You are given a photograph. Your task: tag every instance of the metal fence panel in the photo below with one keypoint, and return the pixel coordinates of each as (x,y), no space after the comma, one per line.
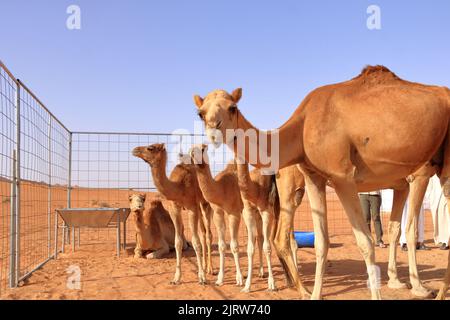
(44,163)
(8,92)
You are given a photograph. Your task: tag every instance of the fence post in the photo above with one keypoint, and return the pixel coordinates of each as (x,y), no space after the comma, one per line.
(12,233)
(17,182)
(49,196)
(69,192)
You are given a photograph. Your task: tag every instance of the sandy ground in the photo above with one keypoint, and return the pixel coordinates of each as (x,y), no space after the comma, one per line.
(104,276)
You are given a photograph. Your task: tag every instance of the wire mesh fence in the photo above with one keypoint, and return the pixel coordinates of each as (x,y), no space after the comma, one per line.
(8,96)
(105,173)
(34,179)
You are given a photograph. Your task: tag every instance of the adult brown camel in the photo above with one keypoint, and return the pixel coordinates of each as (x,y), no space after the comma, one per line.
(154,228)
(182,191)
(362,154)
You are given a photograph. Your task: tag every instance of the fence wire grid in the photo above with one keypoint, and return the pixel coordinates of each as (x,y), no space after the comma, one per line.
(44,166)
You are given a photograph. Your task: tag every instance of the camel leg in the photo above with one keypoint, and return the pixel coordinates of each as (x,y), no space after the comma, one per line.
(259,240)
(285,244)
(158,254)
(348,194)
(315,186)
(444,176)
(267,219)
(193,223)
(445,182)
(395,220)
(206,215)
(219,222)
(417,193)
(294,248)
(250,223)
(234,221)
(202,238)
(137,249)
(175,215)
(445,282)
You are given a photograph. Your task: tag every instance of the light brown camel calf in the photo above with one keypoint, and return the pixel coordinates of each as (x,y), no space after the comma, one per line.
(222,192)
(154,228)
(338,120)
(260,191)
(182,191)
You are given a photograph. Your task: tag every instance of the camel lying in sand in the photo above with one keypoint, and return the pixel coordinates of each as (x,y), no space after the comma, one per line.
(154,228)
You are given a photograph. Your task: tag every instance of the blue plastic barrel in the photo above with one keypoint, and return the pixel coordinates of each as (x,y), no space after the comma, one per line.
(304,239)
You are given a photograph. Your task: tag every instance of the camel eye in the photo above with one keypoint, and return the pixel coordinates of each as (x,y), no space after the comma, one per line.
(200,115)
(150,148)
(232,108)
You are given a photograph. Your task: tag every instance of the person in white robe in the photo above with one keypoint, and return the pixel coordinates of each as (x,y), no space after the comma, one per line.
(439,213)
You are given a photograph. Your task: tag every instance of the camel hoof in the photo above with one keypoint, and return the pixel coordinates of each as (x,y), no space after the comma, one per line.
(397,284)
(175,282)
(440,296)
(272,289)
(423,292)
(202,282)
(245,290)
(271,286)
(239,281)
(261,275)
(308,296)
(219,283)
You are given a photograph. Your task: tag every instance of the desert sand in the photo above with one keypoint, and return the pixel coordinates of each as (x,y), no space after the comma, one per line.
(105,276)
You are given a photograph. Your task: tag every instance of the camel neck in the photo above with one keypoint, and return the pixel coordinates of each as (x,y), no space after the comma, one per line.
(273,149)
(211,189)
(165,186)
(249,189)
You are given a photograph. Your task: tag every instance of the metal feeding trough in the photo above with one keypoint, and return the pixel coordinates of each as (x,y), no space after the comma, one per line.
(76,218)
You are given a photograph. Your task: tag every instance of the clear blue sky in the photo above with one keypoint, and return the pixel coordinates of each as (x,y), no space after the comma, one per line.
(136,63)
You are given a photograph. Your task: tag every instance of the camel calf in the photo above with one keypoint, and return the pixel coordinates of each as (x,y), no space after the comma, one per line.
(154,228)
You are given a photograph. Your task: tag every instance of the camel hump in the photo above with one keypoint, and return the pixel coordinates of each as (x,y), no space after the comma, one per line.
(379,73)
(156,204)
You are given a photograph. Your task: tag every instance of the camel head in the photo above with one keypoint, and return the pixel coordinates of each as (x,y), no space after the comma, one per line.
(218,111)
(154,154)
(137,202)
(199,155)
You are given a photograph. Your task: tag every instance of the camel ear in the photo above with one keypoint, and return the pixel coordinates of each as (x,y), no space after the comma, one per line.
(198,101)
(236,95)
(130,197)
(161,146)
